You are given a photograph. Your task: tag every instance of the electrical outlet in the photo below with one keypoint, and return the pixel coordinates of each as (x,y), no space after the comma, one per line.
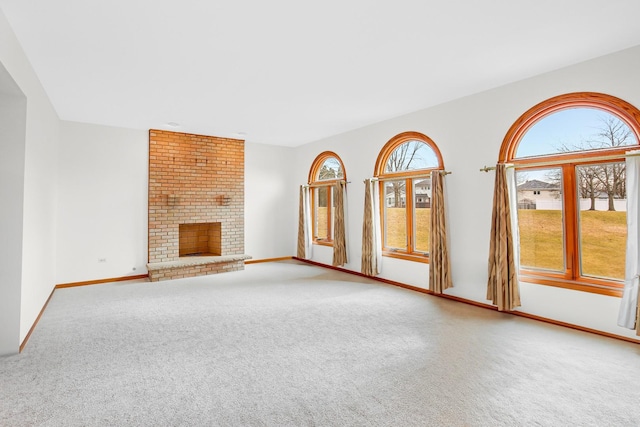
(102,260)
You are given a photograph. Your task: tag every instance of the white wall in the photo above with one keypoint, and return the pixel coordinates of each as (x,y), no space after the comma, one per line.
(269,201)
(469,133)
(40,199)
(13,118)
(39,185)
(102,202)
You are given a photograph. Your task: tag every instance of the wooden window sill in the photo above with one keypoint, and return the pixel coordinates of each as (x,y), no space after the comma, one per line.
(406,256)
(600,287)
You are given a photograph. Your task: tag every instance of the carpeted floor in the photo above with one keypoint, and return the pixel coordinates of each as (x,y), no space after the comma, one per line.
(288,344)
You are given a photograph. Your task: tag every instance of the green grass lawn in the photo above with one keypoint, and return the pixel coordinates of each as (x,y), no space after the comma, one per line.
(603,237)
(541,241)
(397,229)
(603,241)
(321,225)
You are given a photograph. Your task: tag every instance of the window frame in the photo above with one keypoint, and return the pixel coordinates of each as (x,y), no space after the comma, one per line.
(409,176)
(572,277)
(315,183)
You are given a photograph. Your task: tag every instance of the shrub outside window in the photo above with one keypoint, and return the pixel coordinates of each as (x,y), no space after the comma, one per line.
(571,194)
(326,169)
(403,170)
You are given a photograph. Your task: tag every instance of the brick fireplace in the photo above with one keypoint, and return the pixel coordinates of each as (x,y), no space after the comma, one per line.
(196,205)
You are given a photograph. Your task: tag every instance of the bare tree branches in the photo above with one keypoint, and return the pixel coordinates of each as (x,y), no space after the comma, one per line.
(402,159)
(608,178)
(403,156)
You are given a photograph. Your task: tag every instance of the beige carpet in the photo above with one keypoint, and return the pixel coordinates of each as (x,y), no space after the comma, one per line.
(287,344)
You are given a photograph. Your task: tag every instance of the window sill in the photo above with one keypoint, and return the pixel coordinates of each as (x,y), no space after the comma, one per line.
(600,287)
(408,257)
(323,242)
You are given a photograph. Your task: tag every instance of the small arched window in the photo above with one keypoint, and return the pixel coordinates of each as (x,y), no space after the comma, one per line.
(569,153)
(326,169)
(403,169)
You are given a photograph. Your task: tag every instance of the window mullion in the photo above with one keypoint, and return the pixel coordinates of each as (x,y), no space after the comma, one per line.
(314,212)
(329,211)
(409,209)
(572,250)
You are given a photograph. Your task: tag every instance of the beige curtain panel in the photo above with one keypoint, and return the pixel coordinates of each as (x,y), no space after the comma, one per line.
(368,261)
(301,227)
(628,317)
(439,267)
(339,234)
(502,287)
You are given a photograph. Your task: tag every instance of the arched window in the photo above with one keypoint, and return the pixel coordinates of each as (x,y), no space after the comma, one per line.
(326,169)
(569,153)
(403,169)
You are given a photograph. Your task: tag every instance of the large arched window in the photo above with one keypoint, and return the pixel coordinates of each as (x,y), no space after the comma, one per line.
(326,169)
(403,169)
(569,153)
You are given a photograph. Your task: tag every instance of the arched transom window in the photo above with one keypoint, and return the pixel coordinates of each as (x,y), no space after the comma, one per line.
(569,153)
(326,169)
(403,169)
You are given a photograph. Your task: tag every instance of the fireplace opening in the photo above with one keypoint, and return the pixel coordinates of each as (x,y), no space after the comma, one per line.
(202,239)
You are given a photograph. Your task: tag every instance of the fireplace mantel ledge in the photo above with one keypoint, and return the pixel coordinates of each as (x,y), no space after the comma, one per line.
(197,260)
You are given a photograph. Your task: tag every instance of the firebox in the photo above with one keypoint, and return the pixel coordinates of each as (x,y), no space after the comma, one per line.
(201,239)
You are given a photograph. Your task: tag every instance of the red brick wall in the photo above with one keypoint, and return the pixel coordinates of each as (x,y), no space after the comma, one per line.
(189,178)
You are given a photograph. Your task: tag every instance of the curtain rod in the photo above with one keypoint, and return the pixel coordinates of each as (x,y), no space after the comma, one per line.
(487,168)
(375,179)
(562,162)
(326,183)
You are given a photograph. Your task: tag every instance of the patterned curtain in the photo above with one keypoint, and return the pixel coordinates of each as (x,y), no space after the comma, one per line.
(439,268)
(368,264)
(304,224)
(629,309)
(339,233)
(502,287)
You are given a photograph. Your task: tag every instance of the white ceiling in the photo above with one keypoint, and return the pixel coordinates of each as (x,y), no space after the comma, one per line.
(288,72)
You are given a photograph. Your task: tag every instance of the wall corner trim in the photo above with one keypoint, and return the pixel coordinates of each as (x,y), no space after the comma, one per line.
(256,261)
(69,285)
(99,281)
(35,323)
